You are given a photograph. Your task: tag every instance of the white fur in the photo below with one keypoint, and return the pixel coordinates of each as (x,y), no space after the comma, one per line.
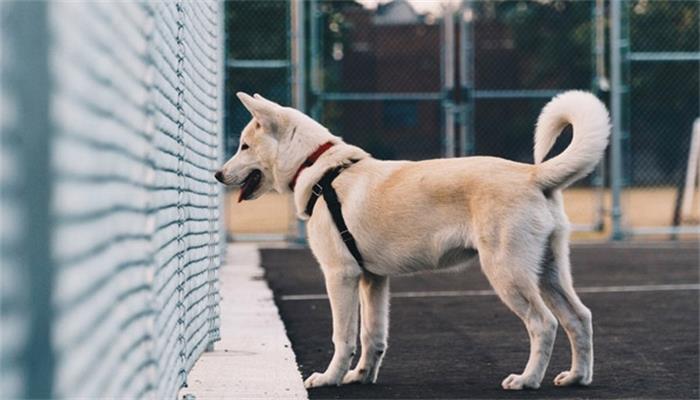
(591,124)
(416,216)
(334,157)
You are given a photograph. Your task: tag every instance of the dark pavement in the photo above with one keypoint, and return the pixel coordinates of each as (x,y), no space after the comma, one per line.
(461,346)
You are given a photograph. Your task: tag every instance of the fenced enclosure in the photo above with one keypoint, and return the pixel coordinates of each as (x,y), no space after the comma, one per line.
(658,48)
(110,233)
(399,80)
(257,60)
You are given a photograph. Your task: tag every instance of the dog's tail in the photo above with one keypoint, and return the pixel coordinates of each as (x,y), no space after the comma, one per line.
(591,127)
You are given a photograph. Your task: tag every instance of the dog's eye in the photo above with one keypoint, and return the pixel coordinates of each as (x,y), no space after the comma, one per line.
(257,125)
(244,147)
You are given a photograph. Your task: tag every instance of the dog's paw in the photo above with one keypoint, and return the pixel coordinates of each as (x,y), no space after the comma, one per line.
(519,382)
(568,378)
(357,375)
(318,379)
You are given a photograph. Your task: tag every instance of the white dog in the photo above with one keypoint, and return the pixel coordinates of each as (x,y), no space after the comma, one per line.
(405,216)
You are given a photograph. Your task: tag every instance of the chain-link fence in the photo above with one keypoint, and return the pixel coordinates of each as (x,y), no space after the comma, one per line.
(660,94)
(110,215)
(377,79)
(257,58)
(519,55)
(408,79)
(467,78)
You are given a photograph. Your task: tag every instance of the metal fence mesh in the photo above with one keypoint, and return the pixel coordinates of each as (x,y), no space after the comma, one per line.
(133,227)
(384,72)
(407,79)
(661,78)
(470,80)
(379,78)
(14,302)
(524,52)
(257,58)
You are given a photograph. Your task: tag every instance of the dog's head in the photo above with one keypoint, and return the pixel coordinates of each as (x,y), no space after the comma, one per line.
(272,146)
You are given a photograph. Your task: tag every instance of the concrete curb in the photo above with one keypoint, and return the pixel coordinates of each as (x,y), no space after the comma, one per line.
(254,359)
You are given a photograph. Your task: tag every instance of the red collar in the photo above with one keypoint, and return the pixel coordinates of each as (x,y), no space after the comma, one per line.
(310,160)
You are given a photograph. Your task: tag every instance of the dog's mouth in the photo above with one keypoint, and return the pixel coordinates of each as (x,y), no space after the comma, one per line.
(250,185)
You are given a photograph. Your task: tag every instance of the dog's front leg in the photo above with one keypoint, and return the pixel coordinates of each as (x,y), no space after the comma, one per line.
(342,288)
(374,322)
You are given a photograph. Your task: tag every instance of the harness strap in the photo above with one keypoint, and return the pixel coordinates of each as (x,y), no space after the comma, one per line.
(324,187)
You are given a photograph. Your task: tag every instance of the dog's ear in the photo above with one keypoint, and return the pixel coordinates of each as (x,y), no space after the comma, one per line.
(264,111)
(269,102)
(257,107)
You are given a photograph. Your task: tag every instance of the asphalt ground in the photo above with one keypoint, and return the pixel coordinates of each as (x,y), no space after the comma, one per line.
(451,338)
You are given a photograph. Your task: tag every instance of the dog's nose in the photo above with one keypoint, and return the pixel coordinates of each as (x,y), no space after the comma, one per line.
(219,176)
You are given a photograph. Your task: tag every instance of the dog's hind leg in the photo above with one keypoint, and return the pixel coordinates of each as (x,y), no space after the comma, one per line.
(515,281)
(374,322)
(342,288)
(558,292)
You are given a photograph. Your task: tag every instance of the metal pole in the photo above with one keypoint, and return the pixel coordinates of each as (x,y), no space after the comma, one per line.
(601,82)
(448,59)
(616,110)
(692,172)
(315,70)
(298,58)
(29,77)
(466,77)
(600,85)
(218,249)
(298,76)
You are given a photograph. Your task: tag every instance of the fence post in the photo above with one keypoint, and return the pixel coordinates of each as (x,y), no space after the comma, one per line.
(298,56)
(213,296)
(298,75)
(466,78)
(448,79)
(600,85)
(616,43)
(316,60)
(30,80)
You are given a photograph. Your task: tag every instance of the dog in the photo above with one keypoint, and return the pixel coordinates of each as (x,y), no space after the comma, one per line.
(409,216)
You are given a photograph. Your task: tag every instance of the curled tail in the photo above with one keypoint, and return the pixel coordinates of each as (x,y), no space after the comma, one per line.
(591,126)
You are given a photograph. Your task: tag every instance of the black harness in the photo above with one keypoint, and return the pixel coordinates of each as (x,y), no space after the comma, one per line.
(324,187)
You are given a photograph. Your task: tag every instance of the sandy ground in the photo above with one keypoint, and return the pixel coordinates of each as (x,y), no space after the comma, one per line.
(642,207)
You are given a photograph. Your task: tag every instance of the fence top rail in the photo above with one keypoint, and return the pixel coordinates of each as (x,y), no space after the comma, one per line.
(664,56)
(517,93)
(233,63)
(378,96)
(477,94)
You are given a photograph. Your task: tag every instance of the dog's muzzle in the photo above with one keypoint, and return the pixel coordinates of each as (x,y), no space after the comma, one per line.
(219,175)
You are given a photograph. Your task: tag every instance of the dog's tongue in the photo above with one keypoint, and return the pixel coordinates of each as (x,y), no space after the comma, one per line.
(244,189)
(249,185)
